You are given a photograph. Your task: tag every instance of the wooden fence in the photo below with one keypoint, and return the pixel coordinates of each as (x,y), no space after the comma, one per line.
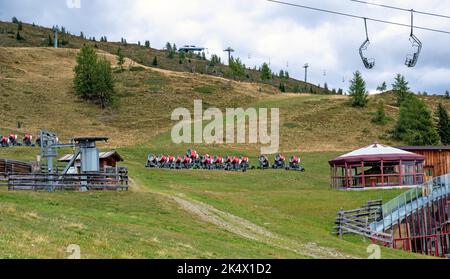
(77,182)
(12,166)
(357,222)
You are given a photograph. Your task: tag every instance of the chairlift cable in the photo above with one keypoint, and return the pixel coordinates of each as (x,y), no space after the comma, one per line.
(357,16)
(400,9)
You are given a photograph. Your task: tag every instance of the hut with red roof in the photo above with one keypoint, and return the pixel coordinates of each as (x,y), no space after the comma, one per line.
(377,166)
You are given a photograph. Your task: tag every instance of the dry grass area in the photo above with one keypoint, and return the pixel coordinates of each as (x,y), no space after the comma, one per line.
(36,89)
(37,36)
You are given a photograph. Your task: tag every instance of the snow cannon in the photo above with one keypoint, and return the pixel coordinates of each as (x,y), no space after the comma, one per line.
(280,162)
(244,164)
(263,162)
(152,161)
(294,164)
(28,140)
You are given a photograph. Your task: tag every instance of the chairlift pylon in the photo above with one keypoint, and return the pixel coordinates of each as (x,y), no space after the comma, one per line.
(411,59)
(368,63)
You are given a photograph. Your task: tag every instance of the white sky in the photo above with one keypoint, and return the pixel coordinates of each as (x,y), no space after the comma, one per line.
(261,31)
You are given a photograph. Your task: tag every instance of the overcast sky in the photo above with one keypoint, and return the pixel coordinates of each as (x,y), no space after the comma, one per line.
(259,31)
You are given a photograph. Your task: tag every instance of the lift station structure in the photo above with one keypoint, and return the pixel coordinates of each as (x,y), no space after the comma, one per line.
(90,176)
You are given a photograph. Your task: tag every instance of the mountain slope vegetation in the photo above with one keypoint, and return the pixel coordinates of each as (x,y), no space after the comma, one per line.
(187,214)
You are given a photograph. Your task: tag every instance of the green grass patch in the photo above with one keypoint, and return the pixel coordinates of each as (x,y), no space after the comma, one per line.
(204,89)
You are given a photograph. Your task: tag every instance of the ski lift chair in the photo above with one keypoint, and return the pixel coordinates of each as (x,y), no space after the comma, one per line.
(368,63)
(411,59)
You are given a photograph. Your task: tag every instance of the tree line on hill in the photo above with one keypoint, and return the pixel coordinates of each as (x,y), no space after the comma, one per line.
(416,124)
(236,69)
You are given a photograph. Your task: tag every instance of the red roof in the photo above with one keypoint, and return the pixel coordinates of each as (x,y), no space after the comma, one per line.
(376,152)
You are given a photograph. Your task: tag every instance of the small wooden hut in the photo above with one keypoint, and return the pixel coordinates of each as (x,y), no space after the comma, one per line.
(107,160)
(437,159)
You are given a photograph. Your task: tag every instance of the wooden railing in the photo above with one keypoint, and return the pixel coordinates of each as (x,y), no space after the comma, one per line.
(358,221)
(9,166)
(46,182)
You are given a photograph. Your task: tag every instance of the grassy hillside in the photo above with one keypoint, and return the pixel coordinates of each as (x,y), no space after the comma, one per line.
(41,78)
(37,36)
(168,214)
(191,214)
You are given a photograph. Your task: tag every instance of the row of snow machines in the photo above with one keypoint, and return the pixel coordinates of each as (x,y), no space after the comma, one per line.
(192,160)
(13,140)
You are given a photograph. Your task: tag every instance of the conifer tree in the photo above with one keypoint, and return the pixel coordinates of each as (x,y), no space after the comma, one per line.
(358,90)
(120,58)
(415,123)
(400,88)
(266,73)
(443,124)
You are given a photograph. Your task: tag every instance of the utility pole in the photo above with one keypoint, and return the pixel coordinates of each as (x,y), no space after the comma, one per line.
(306,72)
(229,50)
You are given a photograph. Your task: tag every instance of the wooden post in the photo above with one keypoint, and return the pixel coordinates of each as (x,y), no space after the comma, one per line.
(363,175)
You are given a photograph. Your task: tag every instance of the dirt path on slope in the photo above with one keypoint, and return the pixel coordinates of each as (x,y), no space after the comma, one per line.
(249,230)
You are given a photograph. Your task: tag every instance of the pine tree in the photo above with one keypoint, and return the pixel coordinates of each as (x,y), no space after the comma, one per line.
(18,36)
(93,79)
(380,115)
(340,91)
(325,86)
(15,20)
(147,44)
(282,87)
(155,61)
(415,124)
(447,94)
(103,83)
(19,26)
(286,74)
(120,58)
(266,73)
(237,69)
(400,88)
(281,75)
(82,35)
(215,60)
(85,71)
(168,47)
(50,40)
(358,90)
(382,87)
(443,124)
